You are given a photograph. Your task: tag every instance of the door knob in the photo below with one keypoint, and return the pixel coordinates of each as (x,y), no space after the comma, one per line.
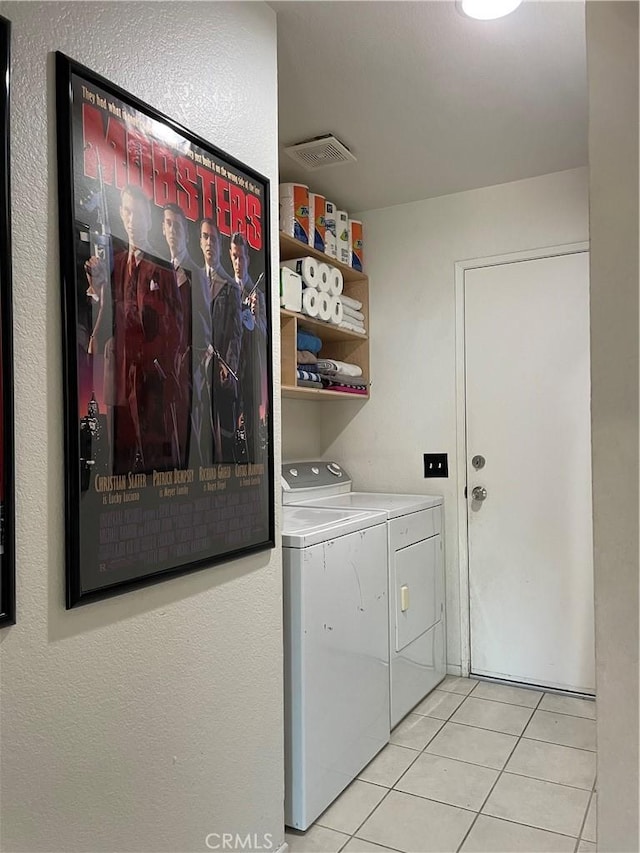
(479,493)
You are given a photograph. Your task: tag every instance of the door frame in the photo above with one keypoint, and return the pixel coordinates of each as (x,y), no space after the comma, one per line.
(460,268)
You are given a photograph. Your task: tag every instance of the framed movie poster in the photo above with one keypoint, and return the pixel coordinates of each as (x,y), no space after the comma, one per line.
(7,551)
(167,343)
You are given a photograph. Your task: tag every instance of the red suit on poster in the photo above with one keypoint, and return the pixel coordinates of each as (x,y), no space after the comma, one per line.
(140,326)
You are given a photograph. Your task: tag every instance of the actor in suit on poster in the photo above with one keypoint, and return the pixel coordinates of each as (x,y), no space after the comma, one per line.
(226,337)
(253,368)
(194,372)
(139,328)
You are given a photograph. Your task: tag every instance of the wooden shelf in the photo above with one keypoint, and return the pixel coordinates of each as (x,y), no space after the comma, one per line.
(290,248)
(339,344)
(326,331)
(303,392)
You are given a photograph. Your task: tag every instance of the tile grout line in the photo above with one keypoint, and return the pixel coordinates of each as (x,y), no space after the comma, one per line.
(548,781)
(391,788)
(462,809)
(477,813)
(529,826)
(463,761)
(544,693)
(418,754)
(475,820)
(566,745)
(577,844)
(564,714)
(362,823)
(584,819)
(515,705)
(502,732)
(377,785)
(499,776)
(511,704)
(509,734)
(473,811)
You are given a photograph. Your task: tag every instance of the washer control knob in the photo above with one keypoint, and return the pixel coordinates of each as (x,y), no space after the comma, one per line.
(334,469)
(315,470)
(293,472)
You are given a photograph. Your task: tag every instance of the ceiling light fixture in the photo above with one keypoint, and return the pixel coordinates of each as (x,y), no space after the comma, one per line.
(488,10)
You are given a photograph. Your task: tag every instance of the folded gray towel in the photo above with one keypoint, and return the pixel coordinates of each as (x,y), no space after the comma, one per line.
(306,357)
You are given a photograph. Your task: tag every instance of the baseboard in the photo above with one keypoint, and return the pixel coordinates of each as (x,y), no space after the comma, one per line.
(454,669)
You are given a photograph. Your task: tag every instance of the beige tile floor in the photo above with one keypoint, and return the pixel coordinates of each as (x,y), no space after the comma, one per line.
(476,768)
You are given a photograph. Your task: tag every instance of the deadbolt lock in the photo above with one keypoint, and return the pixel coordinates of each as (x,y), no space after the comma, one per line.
(478,462)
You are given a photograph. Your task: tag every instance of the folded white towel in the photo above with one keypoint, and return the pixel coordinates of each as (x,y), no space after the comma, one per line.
(351,303)
(352,313)
(353,328)
(353,322)
(344,367)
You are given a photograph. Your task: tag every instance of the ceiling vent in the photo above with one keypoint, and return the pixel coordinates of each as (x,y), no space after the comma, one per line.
(319,152)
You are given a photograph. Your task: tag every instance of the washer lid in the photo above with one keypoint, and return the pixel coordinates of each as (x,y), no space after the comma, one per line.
(393,505)
(303,526)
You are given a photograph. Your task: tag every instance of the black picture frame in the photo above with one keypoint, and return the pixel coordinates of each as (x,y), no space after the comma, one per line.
(167,361)
(7,489)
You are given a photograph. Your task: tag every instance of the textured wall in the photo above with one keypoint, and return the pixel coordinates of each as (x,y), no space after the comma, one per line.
(411,250)
(612,50)
(302,426)
(149,720)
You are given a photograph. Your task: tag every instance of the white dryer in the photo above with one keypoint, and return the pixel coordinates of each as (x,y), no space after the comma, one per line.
(336,652)
(414,525)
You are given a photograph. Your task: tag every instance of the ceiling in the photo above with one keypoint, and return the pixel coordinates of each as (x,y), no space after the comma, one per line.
(429,101)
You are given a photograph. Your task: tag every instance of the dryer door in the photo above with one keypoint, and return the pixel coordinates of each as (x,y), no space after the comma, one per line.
(416,594)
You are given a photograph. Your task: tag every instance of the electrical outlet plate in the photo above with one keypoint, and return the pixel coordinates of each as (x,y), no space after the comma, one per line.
(436,465)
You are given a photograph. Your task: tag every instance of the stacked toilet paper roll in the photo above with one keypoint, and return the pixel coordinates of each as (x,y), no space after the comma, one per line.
(310,305)
(322,306)
(317,304)
(317,286)
(324,275)
(307,268)
(336,282)
(336,309)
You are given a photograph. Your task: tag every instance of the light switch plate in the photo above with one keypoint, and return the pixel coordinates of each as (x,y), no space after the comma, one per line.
(436,465)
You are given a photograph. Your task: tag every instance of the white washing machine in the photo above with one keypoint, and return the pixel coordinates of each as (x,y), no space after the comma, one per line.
(336,652)
(414,525)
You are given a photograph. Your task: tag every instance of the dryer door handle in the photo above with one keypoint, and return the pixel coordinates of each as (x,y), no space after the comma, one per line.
(404,598)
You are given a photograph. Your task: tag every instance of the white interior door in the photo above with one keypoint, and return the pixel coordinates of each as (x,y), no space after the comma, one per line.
(528,415)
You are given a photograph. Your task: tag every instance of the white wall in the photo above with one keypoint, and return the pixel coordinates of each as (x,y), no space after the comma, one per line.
(149,720)
(410,253)
(612,53)
(302,430)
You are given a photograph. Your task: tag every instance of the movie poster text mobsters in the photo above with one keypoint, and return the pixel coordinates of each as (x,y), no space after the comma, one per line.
(166,302)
